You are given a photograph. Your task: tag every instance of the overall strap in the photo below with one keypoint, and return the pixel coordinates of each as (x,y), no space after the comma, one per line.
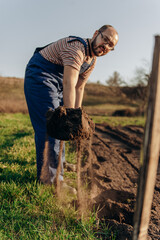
(40,48)
(85,66)
(80,40)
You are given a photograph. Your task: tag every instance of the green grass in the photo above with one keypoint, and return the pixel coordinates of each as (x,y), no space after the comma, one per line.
(29,210)
(119,121)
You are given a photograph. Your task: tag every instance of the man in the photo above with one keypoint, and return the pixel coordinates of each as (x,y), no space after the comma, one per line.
(56,75)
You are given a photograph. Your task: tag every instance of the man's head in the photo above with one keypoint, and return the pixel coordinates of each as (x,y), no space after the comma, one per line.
(104,40)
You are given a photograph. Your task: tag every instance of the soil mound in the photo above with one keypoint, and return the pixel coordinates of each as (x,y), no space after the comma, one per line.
(129,113)
(124,112)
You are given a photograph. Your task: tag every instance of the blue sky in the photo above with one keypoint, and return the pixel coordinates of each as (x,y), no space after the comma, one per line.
(26,24)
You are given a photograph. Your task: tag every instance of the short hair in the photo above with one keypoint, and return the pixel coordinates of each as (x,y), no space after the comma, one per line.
(104,27)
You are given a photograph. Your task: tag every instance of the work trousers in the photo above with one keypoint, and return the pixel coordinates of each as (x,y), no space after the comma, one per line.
(43,90)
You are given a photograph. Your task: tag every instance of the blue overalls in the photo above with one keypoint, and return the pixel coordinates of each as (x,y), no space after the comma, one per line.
(43,87)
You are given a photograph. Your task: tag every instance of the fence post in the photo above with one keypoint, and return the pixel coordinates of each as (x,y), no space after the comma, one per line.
(149,152)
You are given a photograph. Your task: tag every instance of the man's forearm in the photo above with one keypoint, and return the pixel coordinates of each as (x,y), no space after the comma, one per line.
(69,94)
(70,78)
(79,97)
(79,92)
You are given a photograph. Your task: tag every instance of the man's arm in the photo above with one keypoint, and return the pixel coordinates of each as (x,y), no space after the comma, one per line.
(79,92)
(70,79)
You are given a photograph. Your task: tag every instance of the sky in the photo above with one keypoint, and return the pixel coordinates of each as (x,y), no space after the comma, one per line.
(27,24)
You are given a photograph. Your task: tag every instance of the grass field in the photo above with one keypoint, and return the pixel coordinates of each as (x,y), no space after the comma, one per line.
(29,210)
(119,121)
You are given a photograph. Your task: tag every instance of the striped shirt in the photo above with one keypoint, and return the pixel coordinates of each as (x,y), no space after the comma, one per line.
(72,54)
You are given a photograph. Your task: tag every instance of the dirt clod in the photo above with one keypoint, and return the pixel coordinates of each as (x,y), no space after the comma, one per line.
(69,124)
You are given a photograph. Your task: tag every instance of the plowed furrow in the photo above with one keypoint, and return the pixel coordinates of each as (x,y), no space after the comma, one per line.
(116,157)
(121,136)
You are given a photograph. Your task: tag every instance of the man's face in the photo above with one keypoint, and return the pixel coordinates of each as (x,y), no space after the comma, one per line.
(104,42)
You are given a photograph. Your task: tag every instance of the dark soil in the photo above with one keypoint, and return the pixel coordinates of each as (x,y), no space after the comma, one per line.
(116,154)
(69,124)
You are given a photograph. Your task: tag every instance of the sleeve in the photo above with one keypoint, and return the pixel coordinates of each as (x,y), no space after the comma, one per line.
(86,74)
(73,55)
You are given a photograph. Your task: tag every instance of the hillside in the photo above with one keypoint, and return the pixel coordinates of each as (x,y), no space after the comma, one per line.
(12,98)
(98,99)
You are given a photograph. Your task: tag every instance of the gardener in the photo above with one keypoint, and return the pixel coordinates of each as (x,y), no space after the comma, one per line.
(56,75)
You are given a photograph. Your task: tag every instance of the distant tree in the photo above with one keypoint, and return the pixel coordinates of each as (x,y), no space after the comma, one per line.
(142,75)
(140,87)
(98,82)
(115,80)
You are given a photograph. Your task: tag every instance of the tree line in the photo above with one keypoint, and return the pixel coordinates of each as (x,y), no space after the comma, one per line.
(140,79)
